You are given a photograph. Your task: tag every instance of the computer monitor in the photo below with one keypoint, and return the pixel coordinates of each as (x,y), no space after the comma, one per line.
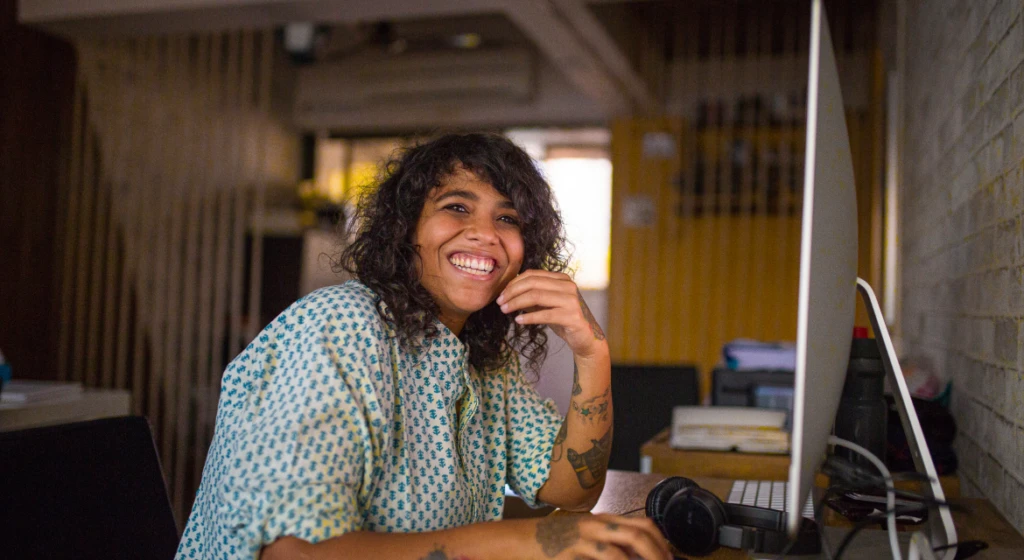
(828,269)
(827,297)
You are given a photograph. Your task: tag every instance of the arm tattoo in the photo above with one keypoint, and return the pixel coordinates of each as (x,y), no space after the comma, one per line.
(556,449)
(557,533)
(591,465)
(594,327)
(576,388)
(593,409)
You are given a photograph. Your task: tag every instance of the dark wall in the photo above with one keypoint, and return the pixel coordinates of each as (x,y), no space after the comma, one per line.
(36,91)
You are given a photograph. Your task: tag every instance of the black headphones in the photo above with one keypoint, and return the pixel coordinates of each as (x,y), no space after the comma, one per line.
(696,522)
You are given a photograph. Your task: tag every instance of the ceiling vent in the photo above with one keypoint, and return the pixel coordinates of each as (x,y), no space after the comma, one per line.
(377,80)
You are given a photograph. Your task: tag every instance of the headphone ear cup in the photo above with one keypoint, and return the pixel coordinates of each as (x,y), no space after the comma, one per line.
(692,519)
(659,496)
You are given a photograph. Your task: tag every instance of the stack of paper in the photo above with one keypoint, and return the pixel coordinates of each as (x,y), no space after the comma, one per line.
(727,428)
(25,391)
(750,354)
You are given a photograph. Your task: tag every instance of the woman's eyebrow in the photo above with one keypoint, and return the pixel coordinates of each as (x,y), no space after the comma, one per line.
(454,193)
(470,195)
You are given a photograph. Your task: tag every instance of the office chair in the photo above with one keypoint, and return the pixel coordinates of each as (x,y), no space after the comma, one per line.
(84,490)
(643,397)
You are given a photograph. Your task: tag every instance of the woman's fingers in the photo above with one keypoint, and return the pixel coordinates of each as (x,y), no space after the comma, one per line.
(554,317)
(536,279)
(638,535)
(600,550)
(538,298)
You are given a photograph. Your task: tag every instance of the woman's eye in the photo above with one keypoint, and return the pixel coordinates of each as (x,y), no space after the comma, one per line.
(456,208)
(510,220)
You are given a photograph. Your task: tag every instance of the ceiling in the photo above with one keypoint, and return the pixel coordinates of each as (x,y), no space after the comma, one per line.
(566,33)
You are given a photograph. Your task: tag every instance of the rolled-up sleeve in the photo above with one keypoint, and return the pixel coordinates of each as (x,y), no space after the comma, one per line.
(532,423)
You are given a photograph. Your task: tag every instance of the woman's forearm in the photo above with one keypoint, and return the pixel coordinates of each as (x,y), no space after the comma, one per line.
(553,536)
(579,457)
(480,541)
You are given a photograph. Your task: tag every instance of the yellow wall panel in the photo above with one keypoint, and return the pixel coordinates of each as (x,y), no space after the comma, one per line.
(683,283)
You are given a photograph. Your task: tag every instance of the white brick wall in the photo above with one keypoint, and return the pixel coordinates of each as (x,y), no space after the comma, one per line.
(963,242)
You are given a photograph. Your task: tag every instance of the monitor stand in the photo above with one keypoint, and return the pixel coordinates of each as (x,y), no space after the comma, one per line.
(939,529)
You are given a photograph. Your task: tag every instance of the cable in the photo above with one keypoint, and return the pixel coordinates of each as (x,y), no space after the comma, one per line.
(890,490)
(818,518)
(858,527)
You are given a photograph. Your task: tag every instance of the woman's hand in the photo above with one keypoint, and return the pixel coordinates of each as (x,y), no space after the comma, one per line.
(552,299)
(600,537)
(559,537)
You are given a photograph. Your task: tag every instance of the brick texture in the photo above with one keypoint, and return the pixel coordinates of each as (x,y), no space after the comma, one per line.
(962,242)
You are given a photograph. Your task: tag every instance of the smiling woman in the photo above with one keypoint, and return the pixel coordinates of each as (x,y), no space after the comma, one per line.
(384,417)
(469,246)
(384,255)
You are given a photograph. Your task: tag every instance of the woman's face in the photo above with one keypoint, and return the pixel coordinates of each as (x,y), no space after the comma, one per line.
(469,246)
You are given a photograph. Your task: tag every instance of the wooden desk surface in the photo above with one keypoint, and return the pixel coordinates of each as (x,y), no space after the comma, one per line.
(731,465)
(626,493)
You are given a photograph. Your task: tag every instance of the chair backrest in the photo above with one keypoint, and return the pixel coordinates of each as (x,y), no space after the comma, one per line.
(84,490)
(643,397)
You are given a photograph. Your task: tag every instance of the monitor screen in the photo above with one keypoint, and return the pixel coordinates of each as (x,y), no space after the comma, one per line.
(828,270)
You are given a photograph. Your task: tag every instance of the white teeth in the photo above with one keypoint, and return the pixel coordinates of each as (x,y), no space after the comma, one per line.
(473,265)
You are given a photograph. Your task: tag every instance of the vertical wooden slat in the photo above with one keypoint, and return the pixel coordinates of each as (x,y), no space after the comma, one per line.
(669,337)
(738,304)
(128,216)
(99,226)
(223,198)
(213,164)
(85,226)
(710,147)
(787,155)
(262,112)
(71,230)
(724,273)
(764,281)
(236,201)
(686,330)
(120,142)
(188,389)
(157,181)
(618,288)
(144,224)
(175,185)
(632,324)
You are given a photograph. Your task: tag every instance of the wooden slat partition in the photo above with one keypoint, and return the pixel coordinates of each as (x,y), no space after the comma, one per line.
(165,169)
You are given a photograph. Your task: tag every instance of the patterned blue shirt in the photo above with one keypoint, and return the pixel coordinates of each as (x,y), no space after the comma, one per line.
(326,424)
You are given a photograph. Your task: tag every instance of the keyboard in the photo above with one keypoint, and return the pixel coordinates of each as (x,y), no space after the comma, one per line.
(770,494)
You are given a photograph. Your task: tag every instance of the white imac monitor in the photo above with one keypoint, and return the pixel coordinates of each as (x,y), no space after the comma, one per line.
(828,292)
(828,269)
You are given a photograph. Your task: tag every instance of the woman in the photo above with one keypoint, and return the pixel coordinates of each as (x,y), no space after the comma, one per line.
(382,418)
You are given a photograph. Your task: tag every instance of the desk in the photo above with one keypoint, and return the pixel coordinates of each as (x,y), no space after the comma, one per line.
(90,405)
(626,491)
(660,457)
(657,456)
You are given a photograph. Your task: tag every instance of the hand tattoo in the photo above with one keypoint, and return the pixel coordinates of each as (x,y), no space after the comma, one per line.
(594,327)
(576,389)
(556,449)
(593,409)
(557,533)
(591,465)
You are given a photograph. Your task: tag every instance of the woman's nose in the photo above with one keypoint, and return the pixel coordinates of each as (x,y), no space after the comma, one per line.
(482,229)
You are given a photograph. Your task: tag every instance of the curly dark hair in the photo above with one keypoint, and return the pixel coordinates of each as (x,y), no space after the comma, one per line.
(383,256)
